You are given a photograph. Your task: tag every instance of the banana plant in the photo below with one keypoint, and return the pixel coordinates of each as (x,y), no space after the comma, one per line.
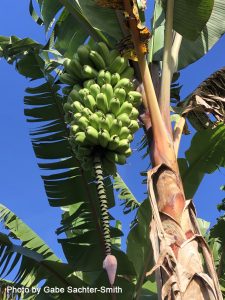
(180,34)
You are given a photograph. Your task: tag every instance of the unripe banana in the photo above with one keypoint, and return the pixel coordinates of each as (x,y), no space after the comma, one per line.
(109,119)
(74,129)
(104,51)
(124,132)
(86,112)
(66,64)
(76,117)
(114,106)
(128,152)
(83,123)
(127,73)
(126,108)
(121,94)
(124,118)
(134,114)
(110,155)
(103,124)
(83,54)
(123,146)
(67,79)
(115,79)
(135,98)
(67,107)
(103,138)
(75,68)
(103,77)
(102,103)
(83,93)
(125,83)
(120,159)
(74,96)
(108,91)
(118,65)
(76,106)
(95,90)
(113,55)
(88,83)
(130,137)
(92,135)
(100,114)
(88,72)
(133,126)
(97,60)
(94,121)
(114,142)
(89,102)
(77,87)
(115,127)
(80,137)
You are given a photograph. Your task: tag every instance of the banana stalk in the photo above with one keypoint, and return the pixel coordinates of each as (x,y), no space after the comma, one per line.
(110,262)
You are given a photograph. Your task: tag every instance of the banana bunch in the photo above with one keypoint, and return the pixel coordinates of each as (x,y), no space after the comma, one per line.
(101,107)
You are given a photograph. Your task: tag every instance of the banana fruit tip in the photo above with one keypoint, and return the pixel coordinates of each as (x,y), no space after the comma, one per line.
(110,265)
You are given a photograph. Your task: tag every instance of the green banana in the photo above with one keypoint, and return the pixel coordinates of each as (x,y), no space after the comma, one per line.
(94,121)
(67,107)
(97,60)
(67,79)
(89,102)
(128,152)
(86,112)
(82,122)
(124,118)
(103,77)
(110,155)
(127,73)
(88,72)
(115,79)
(77,107)
(92,135)
(102,103)
(124,132)
(114,106)
(103,138)
(114,142)
(77,87)
(126,107)
(125,83)
(134,114)
(115,128)
(103,124)
(108,91)
(83,93)
(88,83)
(74,96)
(109,119)
(95,90)
(133,126)
(74,129)
(113,55)
(137,98)
(123,146)
(121,94)
(77,116)
(130,137)
(80,137)
(83,54)
(75,68)
(118,65)
(100,114)
(104,51)
(120,159)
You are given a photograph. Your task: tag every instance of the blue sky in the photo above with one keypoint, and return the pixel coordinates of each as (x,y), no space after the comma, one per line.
(21,185)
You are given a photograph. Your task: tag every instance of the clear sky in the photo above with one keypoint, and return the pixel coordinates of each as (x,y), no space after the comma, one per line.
(21,187)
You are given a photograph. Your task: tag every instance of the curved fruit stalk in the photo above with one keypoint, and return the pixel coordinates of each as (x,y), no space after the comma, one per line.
(110,262)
